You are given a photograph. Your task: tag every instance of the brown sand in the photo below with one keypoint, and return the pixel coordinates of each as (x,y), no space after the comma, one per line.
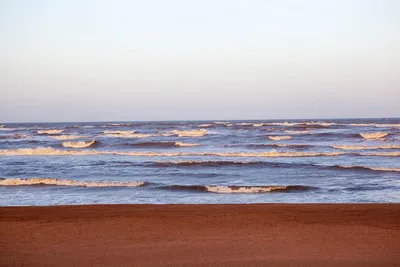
(201,235)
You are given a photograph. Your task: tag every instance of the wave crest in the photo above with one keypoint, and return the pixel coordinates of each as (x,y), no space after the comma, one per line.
(79,144)
(41,151)
(186,144)
(55,131)
(59,182)
(237,189)
(68,137)
(377,135)
(384,169)
(353,147)
(190,133)
(132,135)
(281,137)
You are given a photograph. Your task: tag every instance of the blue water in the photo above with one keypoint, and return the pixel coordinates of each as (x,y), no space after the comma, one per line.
(298,161)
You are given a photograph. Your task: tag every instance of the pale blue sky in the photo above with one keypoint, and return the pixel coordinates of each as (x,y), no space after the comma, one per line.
(170,60)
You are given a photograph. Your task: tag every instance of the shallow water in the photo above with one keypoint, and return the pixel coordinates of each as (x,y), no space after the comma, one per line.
(330,161)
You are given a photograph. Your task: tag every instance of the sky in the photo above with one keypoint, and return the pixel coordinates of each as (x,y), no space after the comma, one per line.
(83,60)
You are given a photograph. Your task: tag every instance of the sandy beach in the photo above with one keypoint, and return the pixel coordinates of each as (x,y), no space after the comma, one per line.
(201,235)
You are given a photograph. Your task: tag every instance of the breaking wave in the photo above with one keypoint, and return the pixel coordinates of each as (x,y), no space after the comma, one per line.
(68,137)
(55,152)
(50,131)
(186,144)
(190,133)
(132,135)
(80,144)
(208,163)
(297,132)
(377,135)
(383,169)
(281,137)
(223,123)
(59,182)
(205,125)
(119,132)
(161,144)
(374,125)
(353,147)
(242,189)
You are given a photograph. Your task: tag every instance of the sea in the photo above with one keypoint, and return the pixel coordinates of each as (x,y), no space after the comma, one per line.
(193,162)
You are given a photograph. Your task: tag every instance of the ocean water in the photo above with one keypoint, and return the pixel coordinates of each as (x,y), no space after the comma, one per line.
(297,161)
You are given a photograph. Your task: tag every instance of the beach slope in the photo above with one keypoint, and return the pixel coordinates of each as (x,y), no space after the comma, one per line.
(201,235)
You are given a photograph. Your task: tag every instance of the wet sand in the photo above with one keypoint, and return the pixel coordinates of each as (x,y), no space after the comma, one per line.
(201,235)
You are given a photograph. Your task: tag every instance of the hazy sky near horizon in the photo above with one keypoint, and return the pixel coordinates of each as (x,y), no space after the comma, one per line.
(83,60)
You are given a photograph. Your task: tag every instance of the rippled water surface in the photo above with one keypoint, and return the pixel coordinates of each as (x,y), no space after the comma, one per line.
(328,161)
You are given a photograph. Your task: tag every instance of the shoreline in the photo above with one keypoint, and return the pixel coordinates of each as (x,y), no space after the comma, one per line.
(201,235)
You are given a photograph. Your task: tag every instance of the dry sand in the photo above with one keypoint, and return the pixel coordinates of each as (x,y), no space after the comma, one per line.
(201,235)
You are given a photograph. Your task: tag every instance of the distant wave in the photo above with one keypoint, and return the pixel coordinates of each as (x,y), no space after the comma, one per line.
(223,123)
(55,152)
(383,169)
(276,145)
(119,132)
(281,137)
(374,125)
(133,135)
(55,131)
(377,135)
(238,189)
(258,124)
(186,144)
(205,125)
(297,132)
(190,133)
(207,163)
(354,147)
(14,136)
(59,182)
(68,137)
(80,144)
(161,144)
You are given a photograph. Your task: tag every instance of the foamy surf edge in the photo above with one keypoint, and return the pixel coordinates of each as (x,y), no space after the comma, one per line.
(61,182)
(239,189)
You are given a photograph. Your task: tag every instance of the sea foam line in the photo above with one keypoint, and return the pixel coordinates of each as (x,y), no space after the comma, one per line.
(42,151)
(61,182)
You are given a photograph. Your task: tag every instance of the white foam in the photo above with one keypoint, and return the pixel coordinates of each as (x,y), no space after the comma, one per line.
(59,182)
(258,124)
(282,137)
(68,137)
(223,123)
(79,144)
(55,131)
(42,151)
(374,125)
(186,144)
(190,133)
(377,135)
(385,169)
(205,125)
(353,147)
(243,190)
